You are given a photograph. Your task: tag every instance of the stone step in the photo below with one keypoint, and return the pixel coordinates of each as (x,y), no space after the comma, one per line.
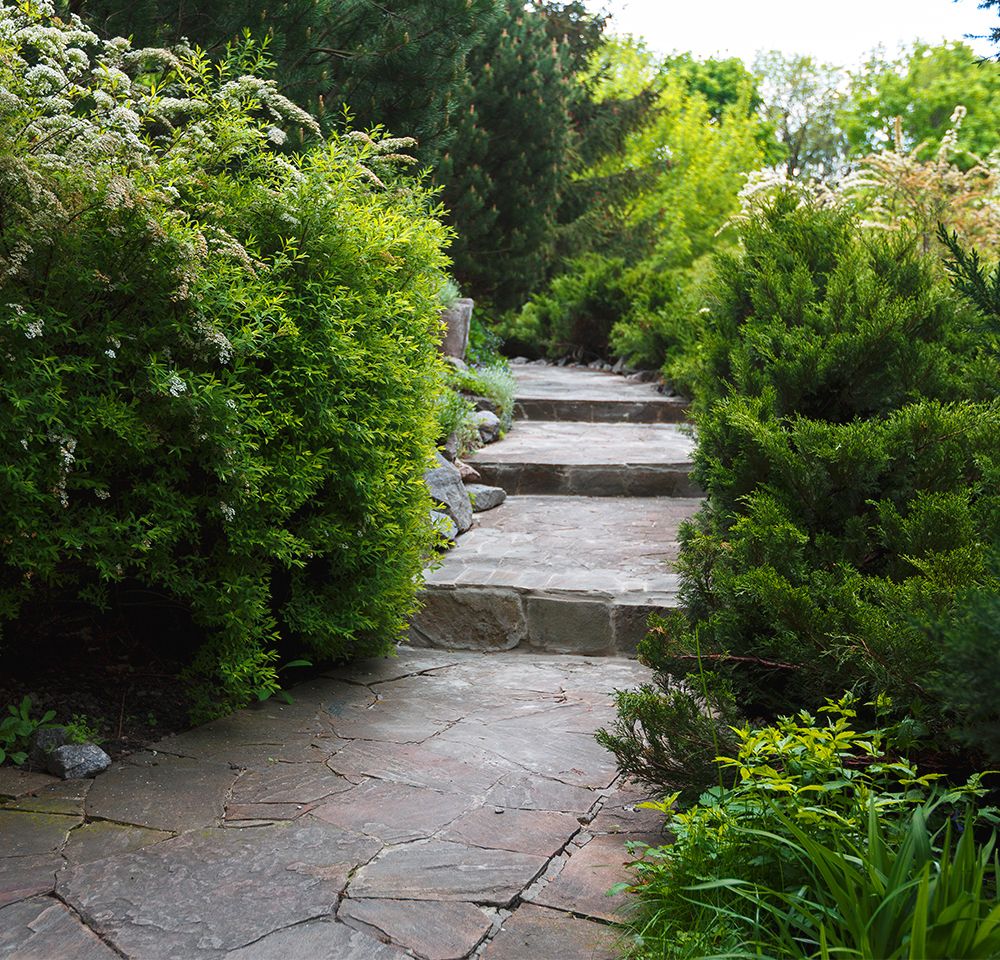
(571,393)
(559,574)
(591,459)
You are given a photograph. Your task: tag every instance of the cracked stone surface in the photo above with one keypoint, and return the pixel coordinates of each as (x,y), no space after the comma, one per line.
(212,891)
(442,870)
(433,930)
(535,932)
(313,834)
(584,880)
(44,929)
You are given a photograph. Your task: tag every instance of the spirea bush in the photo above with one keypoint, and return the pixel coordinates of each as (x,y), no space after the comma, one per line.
(219,361)
(847,423)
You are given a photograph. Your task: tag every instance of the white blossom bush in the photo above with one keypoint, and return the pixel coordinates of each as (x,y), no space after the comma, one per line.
(219,370)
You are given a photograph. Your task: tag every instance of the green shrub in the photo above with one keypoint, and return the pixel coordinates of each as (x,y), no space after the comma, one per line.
(847,441)
(16,729)
(576,312)
(221,368)
(752,867)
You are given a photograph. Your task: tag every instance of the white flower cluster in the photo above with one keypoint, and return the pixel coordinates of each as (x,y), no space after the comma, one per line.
(175,385)
(67,457)
(214,339)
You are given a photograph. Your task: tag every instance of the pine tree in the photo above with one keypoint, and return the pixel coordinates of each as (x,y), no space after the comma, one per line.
(505,174)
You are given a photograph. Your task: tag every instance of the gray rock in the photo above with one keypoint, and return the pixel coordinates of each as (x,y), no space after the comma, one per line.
(519,361)
(643,376)
(469,474)
(457,363)
(619,366)
(445,484)
(443,523)
(456,321)
(485,403)
(43,741)
(484,497)
(488,425)
(74,761)
(450,449)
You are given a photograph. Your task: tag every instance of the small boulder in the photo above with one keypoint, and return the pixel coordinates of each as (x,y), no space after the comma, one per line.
(75,761)
(43,741)
(446,487)
(450,448)
(485,403)
(485,498)
(468,473)
(643,376)
(457,362)
(488,425)
(444,525)
(519,361)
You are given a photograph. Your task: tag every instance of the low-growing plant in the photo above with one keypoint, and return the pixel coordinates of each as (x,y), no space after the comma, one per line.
(16,729)
(738,874)
(81,729)
(494,382)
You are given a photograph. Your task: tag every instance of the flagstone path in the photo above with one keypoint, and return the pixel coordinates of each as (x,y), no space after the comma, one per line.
(441,804)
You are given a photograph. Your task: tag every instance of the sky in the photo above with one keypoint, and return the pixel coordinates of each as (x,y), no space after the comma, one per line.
(839,32)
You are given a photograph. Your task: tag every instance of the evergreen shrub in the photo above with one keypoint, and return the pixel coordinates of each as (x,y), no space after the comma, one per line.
(219,361)
(847,420)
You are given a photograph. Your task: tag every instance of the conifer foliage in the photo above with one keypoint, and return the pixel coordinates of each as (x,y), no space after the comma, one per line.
(399,65)
(504,174)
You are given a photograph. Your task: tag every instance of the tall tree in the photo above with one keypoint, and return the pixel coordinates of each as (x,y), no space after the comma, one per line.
(506,169)
(923,87)
(802,99)
(399,65)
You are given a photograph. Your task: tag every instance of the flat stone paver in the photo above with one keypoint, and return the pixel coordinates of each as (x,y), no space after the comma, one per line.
(557,573)
(585,459)
(361,844)
(534,933)
(571,393)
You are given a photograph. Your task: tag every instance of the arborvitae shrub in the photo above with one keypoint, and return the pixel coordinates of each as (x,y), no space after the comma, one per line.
(851,464)
(219,368)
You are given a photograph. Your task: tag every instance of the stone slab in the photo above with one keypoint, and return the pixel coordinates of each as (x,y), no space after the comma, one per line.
(437,765)
(582,885)
(541,832)
(434,930)
(211,891)
(296,783)
(104,838)
(24,877)
(591,444)
(319,939)
(556,573)
(27,834)
(531,792)
(614,546)
(59,797)
(534,933)
(392,812)
(15,782)
(162,792)
(44,929)
(442,870)
(568,393)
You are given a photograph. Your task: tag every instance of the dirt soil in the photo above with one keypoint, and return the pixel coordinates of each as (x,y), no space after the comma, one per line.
(104,677)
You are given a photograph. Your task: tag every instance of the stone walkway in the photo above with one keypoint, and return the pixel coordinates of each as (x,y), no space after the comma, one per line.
(438,805)
(443,804)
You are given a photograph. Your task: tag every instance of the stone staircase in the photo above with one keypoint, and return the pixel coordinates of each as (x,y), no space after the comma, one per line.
(597,471)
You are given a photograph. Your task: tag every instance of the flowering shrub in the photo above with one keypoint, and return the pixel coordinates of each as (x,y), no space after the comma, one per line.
(219,362)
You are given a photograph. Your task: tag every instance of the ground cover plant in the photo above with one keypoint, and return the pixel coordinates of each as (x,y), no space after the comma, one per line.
(820,840)
(220,363)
